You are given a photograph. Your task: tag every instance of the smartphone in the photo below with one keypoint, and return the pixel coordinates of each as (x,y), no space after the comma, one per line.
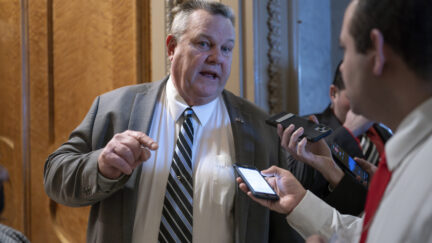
(256,182)
(347,163)
(312,131)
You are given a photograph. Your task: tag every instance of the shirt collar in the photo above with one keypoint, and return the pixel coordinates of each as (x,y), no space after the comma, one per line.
(177,105)
(412,130)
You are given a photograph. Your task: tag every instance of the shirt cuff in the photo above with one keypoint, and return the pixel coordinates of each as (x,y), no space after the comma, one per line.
(310,215)
(106,184)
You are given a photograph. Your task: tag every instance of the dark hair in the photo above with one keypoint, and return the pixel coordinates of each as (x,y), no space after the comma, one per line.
(337,79)
(180,14)
(406,26)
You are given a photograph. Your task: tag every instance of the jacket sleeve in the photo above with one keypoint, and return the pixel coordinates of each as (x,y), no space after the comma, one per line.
(71,173)
(349,196)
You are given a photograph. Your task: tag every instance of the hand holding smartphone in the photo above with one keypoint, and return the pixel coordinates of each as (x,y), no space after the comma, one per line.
(256,183)
(312,131)
(347,163)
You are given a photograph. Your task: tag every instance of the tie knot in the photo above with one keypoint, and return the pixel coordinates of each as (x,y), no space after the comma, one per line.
(188,112)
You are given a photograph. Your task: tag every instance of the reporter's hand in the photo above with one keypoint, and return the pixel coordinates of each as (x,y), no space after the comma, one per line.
(288,188)
(317,154)
(366,166)
(124,152)
(356,124)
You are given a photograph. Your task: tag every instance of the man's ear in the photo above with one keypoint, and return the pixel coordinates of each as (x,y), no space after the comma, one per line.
(332,91)
(171,43)
(379,58)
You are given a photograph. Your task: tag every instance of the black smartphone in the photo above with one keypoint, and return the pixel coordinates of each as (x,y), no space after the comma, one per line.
(312,131)
(347,163)
(256,182)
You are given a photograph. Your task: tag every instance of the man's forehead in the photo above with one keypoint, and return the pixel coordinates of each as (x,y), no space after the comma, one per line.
(201,13)
(212,36)
(201,17)
(211,26)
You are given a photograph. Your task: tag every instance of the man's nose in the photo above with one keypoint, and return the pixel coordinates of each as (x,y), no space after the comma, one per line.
(215,56)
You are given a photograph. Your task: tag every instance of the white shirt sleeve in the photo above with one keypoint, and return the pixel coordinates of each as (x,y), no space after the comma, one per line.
(314,216)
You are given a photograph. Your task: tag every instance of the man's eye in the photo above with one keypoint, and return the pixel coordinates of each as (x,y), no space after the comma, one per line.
(226,50)
(203,44)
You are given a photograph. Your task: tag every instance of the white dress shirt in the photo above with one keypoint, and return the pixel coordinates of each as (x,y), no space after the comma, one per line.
(405,212)
(214,182)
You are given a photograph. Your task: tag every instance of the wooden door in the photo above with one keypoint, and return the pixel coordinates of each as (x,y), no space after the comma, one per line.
(55,58)
(11,144)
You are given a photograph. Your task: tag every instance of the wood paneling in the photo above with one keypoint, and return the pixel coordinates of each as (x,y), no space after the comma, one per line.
(55,58)
(79,49)
(10,110)
(42,228)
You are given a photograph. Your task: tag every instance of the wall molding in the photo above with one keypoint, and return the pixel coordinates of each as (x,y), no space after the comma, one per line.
(274,55)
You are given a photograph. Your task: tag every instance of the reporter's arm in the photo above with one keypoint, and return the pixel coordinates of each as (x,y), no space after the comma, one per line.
(314,216)
(305,212)
(316,155)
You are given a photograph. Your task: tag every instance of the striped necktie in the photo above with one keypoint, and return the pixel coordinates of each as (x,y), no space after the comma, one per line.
(370,151)
(176,221)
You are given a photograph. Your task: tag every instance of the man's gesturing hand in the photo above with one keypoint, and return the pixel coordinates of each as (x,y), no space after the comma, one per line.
(124,152)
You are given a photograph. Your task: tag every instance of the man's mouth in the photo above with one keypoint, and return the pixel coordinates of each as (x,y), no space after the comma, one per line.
(209,74)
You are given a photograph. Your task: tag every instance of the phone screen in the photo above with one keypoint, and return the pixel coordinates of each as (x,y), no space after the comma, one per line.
(256,180)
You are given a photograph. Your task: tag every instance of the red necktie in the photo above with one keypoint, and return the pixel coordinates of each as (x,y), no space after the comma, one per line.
(376,191)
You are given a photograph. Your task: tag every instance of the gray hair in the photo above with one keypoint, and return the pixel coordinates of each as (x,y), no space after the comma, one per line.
(180,14)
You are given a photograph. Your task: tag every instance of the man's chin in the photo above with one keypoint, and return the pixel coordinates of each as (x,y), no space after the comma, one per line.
(203,99)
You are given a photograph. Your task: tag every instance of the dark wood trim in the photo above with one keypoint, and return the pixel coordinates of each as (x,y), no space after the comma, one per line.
(143,41)
(50,75)
(25,109)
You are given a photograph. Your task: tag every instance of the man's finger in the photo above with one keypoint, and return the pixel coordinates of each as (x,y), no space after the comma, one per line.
(286,135)
(279,130)
(313,118)
(366,165)
(294,140)
(272,171)
(144,155)
(144,140)
(301,147)
(243,187)
(125,153)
